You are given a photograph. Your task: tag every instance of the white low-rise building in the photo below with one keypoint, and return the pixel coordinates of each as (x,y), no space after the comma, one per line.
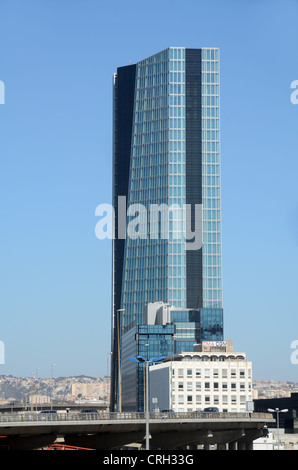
(213,376)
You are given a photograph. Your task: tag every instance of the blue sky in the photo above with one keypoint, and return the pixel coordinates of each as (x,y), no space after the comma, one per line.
(57,59)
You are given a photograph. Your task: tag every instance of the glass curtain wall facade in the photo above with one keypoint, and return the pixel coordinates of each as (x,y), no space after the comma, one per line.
(148,341)
(166,154)
(212,260)
(155,268)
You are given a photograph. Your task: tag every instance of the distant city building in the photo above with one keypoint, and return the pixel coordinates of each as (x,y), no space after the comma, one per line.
(211,376)
(287,420)
(39,399)
(166,154)
(99,390)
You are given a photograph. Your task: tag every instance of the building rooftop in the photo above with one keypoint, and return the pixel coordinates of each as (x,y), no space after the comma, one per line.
(210,350)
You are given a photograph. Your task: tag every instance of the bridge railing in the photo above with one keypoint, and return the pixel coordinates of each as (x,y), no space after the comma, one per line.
(23,417)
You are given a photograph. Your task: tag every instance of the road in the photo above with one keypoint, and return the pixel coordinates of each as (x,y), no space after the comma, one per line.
(111,430)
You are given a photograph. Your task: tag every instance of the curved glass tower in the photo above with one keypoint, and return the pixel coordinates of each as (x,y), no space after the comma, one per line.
(166,189)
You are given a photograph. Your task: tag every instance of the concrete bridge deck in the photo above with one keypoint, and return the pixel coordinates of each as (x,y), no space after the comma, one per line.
(105,431)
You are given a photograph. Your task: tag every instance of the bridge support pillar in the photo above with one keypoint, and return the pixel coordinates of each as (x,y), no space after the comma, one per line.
(249,445)
(233,446)
(241,445)
(221,447)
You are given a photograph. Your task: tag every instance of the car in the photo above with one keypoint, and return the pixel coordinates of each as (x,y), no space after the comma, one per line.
(211,410)
(47,411)
(48,414)
(89,410)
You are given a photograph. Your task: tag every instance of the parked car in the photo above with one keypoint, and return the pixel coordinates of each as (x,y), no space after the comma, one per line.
(211,410)
(91,410)
(48,414)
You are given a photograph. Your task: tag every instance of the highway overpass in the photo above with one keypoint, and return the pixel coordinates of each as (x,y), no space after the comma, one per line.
(107,431)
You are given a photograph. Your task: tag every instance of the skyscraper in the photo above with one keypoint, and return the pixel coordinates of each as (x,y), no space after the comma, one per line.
(166,160)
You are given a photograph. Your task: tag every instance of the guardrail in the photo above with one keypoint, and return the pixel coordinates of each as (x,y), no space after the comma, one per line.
(22,417)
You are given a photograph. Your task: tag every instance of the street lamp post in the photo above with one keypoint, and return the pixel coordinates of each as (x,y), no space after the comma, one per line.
(277,411)
(108,388)
(142,360)
(145,377)
(32,390)
(52,365)
(119,359)
(36,387)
